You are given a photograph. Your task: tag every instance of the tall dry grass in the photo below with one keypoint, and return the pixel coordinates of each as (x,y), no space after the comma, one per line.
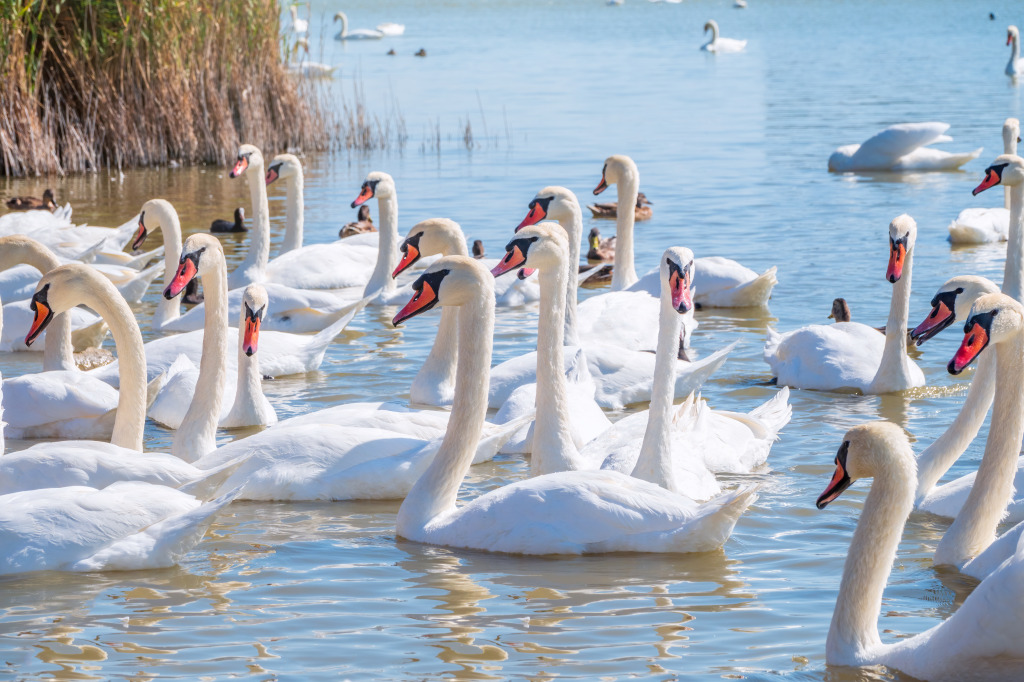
(86,84)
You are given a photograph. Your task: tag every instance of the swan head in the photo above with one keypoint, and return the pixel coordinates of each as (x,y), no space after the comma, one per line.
(198,258)
(902,235)
(617,168)
(994,318)
(840,310)
(551,203)
(452,280)
(677,277)
(149,219)
(1007,169)
(543,246)
(340,16)
(878,449)
(61,289)
(254,308)
(283,166)
(1011,132)
(952,302)
(428,238)
(377,184)
(711,25)
(248,155)
(1012,34)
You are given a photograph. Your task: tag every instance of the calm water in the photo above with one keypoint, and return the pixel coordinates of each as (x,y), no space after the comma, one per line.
(732,150)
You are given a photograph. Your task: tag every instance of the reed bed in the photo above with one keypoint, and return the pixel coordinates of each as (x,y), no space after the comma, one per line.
(87,84)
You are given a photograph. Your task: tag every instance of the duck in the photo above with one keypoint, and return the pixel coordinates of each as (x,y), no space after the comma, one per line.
(977,642)
(642,211)
(841,313)
(420,53)
(361,225)
(568,512)
(850,355)
(1015,66)
(600,249)
(1008,170)
(47,203)
(221,225)
(478,249)
(720,282)
(720,45)
(983,225)
(357,34)
(899,148)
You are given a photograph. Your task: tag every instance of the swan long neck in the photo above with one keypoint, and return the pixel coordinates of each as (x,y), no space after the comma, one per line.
(1014,53)
(714,31)
(893,372)
(197,435)
(937,458)
(129,421)
(654,463)
(168,310)
(1009,147)
(553,447)
(975,526)
(624,272)
(253,268)
(854,628)
(249,399)
(436,491)
(574,228)
(344,23)
(294,212)
(387,247)
(437,375)
(1013,270)
(57,350)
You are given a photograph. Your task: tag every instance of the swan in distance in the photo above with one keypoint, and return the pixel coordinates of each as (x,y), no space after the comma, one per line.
(902,147)
(1015,66)
(718,44)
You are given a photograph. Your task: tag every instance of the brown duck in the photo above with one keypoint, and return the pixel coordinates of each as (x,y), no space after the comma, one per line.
(610,210)
(363,224)
(33,203)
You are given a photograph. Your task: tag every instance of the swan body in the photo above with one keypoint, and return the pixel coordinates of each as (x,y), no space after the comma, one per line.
(571,512)
(977,642)
(902,147)
(982,225)
(1015,66)
(299,26)
(718,44)
(357,34)
(850,355)
(389,28)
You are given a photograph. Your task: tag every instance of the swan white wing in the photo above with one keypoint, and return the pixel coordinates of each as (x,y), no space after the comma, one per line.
(882,150)
(928,159)
(582,512)
(18,317)
(825,357)
(947,499)
(48,399)
(726,45)
(980,226)
(720,282)
(337,265)
(30,222)
(389,28)
(361,34)
(18,283)
(628,319)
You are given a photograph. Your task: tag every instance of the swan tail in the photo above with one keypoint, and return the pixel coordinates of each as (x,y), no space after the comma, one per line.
(771,345)
(501,434)
(160,545)
(89,337)
(774,413)
(691,378)
(209,483)
(755,292)
(135,288)
(964,233)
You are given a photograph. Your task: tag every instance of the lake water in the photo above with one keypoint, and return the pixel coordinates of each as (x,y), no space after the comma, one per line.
(732,149)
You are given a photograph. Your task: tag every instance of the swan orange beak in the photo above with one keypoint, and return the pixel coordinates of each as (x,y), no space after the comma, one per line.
(975,340)
(140,233)
(514,258)
(410,254)
(840,478)
(1009,38)
(43,315)
(942,315)
(897,256)
(993,176)
(187,269)
(240,165)
(536,214)
(273,173)
(250,341)
(679,285)
(426,297)
(365,194)
(601,186)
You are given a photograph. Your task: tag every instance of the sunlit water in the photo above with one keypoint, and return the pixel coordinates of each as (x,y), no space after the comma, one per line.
(732,150)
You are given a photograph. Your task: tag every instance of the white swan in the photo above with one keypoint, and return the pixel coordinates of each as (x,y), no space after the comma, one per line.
(851,355)
(980,641)
(1015,66)
(357,34)
(572,512)
(96,464)
(902,147)
(304,67)
(719,282)
(717,44)
(299,26)
(981,225)
(1008,169)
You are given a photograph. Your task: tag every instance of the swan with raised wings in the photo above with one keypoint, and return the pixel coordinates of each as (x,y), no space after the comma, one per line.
(981,225)
(851,355)
(902,147)
(572,512)
(979,641)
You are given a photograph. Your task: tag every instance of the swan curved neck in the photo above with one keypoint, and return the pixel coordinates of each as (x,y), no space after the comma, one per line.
(624,272)
(168,310)
(854,628)
(654,463)
(574,228)
(714,32)
(553,446)
(434,383)
(937,458)
(387,248)
(253,268)
(893,372)
(1013,270)
(975,526)
(344,23)
(197,435)
(435,492)
(294,212)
